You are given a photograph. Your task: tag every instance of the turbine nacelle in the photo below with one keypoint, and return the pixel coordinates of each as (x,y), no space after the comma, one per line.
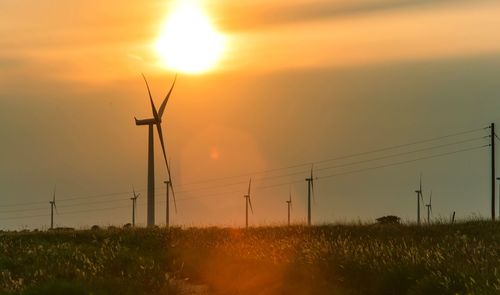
(140,122)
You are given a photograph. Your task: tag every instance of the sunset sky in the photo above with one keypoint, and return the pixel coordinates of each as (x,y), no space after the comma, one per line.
(296,82)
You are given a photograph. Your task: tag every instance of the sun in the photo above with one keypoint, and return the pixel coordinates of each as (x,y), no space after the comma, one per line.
(188,41)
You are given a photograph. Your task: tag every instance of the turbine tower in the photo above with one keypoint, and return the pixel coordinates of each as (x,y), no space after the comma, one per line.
(310,189)
(289,203)
(419,197)
(134,203)
(248,201)
(52,207)
(429,209)
(156,120)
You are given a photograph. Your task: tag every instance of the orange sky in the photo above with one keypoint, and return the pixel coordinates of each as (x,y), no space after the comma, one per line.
(300,81)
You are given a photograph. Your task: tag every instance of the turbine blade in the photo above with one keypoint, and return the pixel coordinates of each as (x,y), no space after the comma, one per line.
(312,189)
(164,103)
(170,184)
(55,207)
(430,199)
(173,194)
(153,108)
(160,135)
(249,186)
(250,202)
(54,194)
(420,182)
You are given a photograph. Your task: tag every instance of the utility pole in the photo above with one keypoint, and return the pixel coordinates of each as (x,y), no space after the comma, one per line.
(493,186)
(498,178)
(167,213)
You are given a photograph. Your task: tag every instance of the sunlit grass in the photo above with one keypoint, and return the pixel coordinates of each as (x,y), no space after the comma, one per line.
(337,259)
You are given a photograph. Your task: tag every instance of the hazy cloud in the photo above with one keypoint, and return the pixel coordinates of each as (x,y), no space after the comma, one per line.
(242,17)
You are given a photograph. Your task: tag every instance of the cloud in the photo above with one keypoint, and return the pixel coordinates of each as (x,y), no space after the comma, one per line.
(248,18)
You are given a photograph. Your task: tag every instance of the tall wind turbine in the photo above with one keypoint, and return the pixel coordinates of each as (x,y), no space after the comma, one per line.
(310,190)
(289,203)
(248,201)
(156,120)
(419,197)
(134,203)
(52,207)
(429,209)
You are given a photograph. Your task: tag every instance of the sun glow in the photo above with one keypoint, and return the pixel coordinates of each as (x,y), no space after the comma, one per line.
(188,41)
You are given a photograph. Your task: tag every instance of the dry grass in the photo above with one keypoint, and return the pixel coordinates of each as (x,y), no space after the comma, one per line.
(335,259)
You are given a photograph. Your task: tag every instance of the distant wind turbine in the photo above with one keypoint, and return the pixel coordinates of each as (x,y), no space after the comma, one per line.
(429,209)
(52,207)
(310,190)
(167,215)
(419,197)
(134,204)
(289,204)
(156,120)
(248,201)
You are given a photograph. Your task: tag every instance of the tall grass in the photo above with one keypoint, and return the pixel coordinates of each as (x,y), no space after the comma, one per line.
(331,259)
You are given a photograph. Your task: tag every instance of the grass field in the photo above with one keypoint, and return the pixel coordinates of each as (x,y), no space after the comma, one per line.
(333,259)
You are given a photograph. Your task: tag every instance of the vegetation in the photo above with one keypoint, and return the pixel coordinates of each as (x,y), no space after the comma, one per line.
(331,259)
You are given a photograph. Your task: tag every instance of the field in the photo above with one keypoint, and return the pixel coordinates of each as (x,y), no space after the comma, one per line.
(333,259)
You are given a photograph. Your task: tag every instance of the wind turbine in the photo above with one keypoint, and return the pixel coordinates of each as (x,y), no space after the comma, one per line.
(289,203)
(167,215)
(429,209)
(248,201)
(419,197)
(156,120)
(134,203)
(52,207)
(310,189)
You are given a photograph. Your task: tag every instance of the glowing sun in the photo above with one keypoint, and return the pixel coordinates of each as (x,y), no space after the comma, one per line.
(188,41)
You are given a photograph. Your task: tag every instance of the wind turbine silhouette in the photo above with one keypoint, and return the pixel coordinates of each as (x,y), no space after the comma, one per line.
(419,197)
(52,207)
(167,213)
(429,209)
(310,189)
(134,203)
(156,120)
(248,201)
(289,203)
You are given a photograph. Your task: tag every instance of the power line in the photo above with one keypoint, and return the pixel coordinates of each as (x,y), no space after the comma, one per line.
(288,167)
(399,154)
(336,166)
(62,207)
(405,162)
(338,158)
(360,170)
(269,186)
